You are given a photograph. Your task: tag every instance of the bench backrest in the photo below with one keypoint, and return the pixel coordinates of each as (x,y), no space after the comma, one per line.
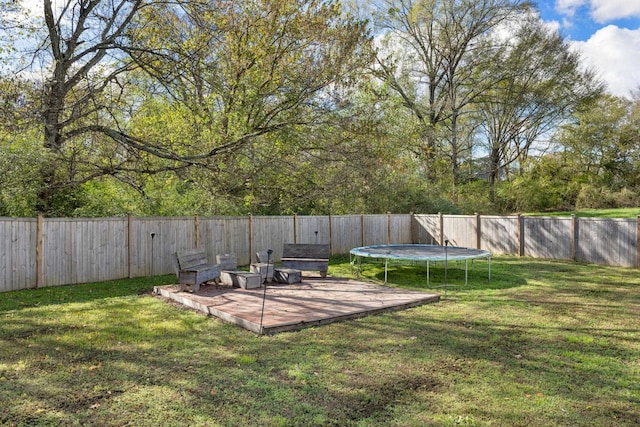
(227,261)
(305,250)
(191,258)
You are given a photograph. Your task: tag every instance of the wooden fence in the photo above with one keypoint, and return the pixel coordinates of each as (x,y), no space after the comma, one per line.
(592,240)
(41,252)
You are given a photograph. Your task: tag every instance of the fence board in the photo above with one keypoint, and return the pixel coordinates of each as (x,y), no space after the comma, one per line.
(400,228)
(271,232)
(17,253)
(346,233)
(312,229)
(460,230)
(237,239)
(156,239)
(426,229)
(607,241)
(212,236)
(226,235)
(500,235)
(548,237)
(83,250)
(375,230)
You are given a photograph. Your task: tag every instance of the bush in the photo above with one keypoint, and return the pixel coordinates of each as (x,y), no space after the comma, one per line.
(596,197)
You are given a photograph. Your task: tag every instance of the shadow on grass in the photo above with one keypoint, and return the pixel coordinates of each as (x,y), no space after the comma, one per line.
(556,360)
(414,275)
(501,358)
(87,292)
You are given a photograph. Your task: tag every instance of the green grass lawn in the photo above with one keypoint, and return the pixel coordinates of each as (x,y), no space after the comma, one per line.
(596,213)
(541,344)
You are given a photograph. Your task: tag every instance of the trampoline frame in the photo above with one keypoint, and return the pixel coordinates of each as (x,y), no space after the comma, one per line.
(444,253)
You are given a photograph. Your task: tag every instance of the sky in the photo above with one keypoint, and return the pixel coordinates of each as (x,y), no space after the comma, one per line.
(607,33)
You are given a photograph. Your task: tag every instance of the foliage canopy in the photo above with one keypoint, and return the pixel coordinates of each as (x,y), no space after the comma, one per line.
(299,106)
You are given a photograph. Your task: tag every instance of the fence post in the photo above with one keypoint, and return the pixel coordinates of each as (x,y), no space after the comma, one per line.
(250,236)
(478,232)
(196,230)
(574,237)
(295,228)
(520,235)
(412,227)
(130,245)
(441,232)
(330,236)
(39,250)
(638,242)
(388,228)
(362,229)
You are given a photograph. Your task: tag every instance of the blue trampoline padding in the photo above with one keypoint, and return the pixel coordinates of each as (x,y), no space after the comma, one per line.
(420,252)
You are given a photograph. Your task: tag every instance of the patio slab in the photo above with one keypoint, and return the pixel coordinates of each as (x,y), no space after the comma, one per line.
(314,301)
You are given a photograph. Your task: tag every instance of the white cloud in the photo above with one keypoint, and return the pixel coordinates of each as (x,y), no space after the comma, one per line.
(615,53)
(608,10)
(601,11)
(569,7)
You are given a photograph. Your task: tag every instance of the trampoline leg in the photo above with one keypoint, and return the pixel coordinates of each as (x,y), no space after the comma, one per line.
(385,270)
(489,261)
(427,273)
(351,261)
(466,272)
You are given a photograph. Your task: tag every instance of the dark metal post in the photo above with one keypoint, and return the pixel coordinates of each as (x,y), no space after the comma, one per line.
(152,254)
(446,245)
(264,283)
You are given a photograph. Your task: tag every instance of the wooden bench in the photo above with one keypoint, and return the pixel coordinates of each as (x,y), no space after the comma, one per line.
(306,256)
(193,268)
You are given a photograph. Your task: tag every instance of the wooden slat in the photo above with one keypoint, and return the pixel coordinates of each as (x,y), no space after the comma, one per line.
(302,250)
(191,258)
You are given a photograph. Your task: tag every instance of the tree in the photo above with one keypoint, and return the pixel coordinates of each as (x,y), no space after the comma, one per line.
(247,69)
(540,83)
(603,145)
(432,57)
(227,72)
(246,85)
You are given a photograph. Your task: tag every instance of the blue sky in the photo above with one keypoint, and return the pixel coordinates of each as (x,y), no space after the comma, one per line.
(606,32)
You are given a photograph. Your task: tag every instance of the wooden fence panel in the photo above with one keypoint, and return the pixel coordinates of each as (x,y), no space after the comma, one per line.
(238,239)
(375,230)
(426,229)
(346,233)
(226,235)
(500,235)
(17,253)
(312,229)
(460,230)
(84,250)
(212,236)
(607,241)
(400,229)
(548,237)
(156,239)
(271,232)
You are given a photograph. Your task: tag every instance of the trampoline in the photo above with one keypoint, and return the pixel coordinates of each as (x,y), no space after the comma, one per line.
(428,253)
